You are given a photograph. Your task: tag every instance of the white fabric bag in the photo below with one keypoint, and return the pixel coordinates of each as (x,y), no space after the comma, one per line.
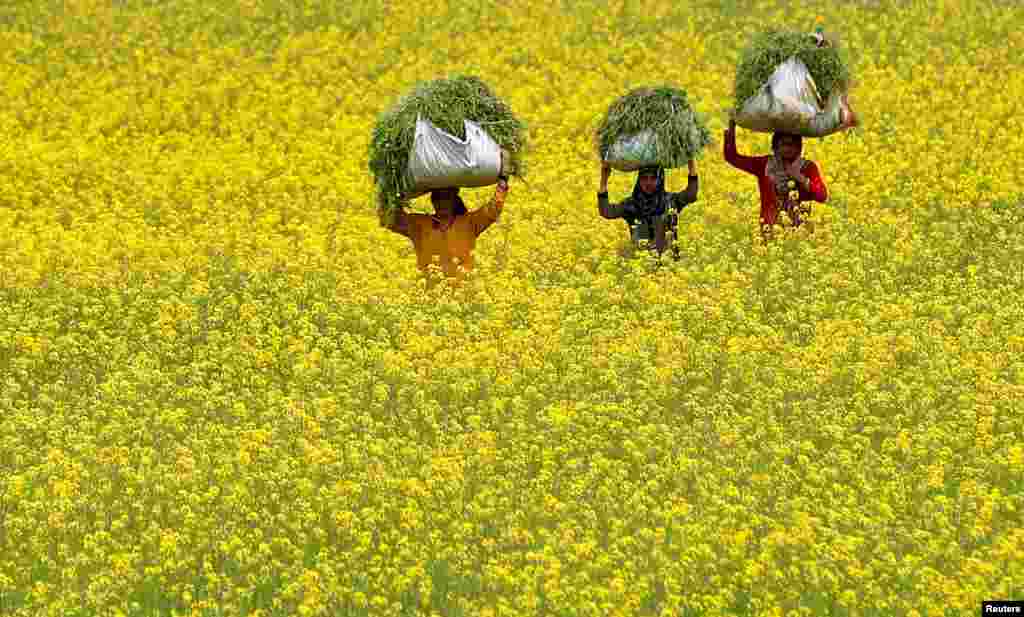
(789,102)
(633,152)
(441,160)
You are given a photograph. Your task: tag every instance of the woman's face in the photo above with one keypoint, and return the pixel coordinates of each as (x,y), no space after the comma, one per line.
(789,148)
(443,201)
(648,183)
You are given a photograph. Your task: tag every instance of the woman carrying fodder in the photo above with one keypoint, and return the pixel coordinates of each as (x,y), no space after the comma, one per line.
(781,81)
(649,130)
(446,135)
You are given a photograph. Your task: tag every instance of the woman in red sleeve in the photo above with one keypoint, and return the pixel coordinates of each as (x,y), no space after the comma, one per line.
(785,179)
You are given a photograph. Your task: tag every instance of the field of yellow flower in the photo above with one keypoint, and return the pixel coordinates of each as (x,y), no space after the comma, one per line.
(225,391)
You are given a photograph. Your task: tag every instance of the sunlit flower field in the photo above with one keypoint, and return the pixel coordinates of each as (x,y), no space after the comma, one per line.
(225,390)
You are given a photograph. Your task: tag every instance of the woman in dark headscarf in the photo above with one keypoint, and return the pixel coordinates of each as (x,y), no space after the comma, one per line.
(650,211)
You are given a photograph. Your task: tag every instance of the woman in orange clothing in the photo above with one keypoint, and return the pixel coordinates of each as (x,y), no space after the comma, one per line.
(449,235)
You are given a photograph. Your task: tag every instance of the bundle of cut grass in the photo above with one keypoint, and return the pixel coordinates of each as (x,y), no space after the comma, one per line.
(446,103)
(651,126)
(770,49)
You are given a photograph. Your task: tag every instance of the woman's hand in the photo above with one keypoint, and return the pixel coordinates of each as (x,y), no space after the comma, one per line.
(501,190)
(606,172)
(850,119)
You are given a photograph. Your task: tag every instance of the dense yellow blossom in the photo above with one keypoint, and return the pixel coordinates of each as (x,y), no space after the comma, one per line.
(225,390)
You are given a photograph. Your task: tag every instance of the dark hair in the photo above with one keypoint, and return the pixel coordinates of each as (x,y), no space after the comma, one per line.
(779,136)
(460,206)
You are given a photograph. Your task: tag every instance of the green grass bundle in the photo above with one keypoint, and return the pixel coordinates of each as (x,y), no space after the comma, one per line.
(679,133)
(770,49)
(445,103)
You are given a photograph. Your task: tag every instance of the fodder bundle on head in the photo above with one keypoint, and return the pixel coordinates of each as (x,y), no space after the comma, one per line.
(770,49)
(651,126)
(447,104)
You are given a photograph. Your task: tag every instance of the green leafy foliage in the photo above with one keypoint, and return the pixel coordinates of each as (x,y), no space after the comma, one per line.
(680,132)
(445,103)
(770,49)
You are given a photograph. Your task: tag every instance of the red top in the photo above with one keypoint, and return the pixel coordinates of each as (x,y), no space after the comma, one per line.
(756,165)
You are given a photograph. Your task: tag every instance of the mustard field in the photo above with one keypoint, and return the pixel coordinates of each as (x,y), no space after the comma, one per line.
(226,390)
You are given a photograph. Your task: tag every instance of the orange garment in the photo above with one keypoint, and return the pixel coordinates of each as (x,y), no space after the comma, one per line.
(452,247)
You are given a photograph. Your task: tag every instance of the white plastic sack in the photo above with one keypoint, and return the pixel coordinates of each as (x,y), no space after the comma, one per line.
(441,160)
(789,102)
(633,152)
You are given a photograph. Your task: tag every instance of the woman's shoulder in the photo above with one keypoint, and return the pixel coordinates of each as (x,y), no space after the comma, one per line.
(628,204)
(625,202)
(417,220)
